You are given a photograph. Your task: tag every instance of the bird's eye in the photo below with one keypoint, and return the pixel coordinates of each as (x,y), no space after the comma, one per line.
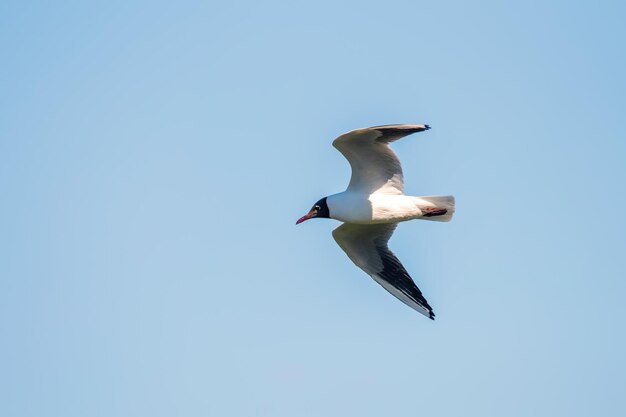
(317,207)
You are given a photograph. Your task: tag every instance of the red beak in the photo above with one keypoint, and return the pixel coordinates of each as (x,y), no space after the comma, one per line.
(305,218)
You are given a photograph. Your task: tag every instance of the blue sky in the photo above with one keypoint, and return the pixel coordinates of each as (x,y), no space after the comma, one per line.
(154,157)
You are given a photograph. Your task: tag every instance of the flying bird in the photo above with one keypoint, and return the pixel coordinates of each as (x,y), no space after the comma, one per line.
(373,205)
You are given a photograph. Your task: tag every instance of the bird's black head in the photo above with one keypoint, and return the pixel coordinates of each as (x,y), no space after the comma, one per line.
(319,209)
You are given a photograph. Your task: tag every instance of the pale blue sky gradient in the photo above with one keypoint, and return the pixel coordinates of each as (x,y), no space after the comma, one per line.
(154,157)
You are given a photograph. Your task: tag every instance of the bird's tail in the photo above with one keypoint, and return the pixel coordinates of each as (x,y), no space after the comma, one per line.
(438,207)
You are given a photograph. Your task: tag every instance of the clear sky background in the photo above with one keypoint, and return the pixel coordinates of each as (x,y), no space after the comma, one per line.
(154,157)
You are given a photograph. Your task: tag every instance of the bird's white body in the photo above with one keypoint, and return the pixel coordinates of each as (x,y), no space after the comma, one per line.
(351,207)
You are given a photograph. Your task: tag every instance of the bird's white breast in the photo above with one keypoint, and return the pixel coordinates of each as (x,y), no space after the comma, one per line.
(375,208)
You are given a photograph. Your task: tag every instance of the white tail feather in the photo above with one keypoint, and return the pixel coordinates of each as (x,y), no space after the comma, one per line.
(439,201)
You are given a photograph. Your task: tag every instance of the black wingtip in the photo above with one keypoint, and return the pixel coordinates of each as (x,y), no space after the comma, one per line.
(431,315)
(427,127)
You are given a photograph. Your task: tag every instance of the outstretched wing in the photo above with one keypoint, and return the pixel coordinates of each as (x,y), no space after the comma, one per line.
(366,246)
(375,167)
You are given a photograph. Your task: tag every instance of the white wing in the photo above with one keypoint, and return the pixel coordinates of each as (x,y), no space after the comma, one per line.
(366,246)
(375,167)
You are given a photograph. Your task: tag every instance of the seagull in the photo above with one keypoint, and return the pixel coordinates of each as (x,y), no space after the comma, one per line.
(373,205)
